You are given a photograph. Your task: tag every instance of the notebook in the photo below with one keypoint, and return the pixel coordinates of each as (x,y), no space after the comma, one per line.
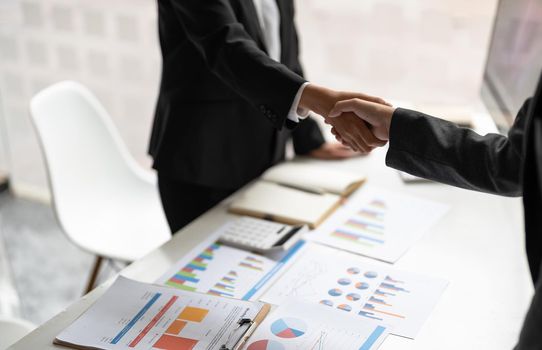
(314,178)
(296,194)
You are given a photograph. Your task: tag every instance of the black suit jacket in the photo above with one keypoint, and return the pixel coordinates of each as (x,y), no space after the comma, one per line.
(511,166)
(223,102)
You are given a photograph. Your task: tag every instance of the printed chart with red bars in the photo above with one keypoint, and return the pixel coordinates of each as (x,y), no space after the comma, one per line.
(141,316)
(378,223)
(266,344)
(172,338)
(352,286)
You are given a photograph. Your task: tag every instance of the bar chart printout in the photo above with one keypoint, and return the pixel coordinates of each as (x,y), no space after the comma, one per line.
(297,325)
(357,288)
(220,270)
(133,315)
(379,223)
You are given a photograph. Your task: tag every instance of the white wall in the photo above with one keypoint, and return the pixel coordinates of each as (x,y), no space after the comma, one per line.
(110,46)
(421,50)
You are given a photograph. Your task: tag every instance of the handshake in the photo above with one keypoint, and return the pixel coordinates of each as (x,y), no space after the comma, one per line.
(359,121)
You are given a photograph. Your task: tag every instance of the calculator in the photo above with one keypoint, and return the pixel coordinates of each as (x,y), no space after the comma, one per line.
(259,235)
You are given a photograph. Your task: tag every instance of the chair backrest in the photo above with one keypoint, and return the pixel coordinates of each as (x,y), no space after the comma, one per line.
(12,330)
(87,162)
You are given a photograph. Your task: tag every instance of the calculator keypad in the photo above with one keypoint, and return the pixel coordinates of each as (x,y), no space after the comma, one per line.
(256,233)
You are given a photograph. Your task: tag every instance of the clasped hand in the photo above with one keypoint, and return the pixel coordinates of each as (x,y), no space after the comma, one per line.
(358,121)
(373,117)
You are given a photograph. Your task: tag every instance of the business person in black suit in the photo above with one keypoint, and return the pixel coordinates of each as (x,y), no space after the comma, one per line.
(507,165)
(232,88)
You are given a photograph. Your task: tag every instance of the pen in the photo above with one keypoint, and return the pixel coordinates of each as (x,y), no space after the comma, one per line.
(302,188)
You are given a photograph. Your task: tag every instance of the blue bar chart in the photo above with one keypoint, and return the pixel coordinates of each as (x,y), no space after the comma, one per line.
(379,223)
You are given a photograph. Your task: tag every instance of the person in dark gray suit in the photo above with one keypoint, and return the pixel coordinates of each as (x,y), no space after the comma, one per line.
(232,94)
(506,165)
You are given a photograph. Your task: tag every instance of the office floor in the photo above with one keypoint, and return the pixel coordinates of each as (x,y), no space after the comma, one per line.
(47,271)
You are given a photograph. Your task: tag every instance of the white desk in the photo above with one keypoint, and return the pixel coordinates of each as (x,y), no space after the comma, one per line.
(478,247)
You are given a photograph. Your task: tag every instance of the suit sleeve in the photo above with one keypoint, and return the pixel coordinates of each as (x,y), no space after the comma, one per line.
(307,136)
(435,149)
(234,57)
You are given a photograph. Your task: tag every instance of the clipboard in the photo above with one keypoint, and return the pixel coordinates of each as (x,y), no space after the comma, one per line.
(245,328)
(98,326)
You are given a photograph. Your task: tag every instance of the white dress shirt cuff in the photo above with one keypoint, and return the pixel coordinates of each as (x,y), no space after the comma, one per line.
(297,114)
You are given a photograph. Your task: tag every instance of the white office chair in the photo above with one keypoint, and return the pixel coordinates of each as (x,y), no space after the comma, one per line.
(11,330)
(105,202)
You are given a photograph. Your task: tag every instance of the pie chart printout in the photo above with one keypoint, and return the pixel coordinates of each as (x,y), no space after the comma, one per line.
(370,274)
(353,270)
(362,285)
(344,281)
(326,302)
(335,292)
(266,345)
(288,327)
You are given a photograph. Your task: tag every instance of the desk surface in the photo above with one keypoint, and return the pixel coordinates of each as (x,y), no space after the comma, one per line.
(478,247)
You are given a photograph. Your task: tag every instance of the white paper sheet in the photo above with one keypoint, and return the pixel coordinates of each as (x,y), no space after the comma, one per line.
(379,223)
(220,270)
(303,326)
(134,315)
(354,286)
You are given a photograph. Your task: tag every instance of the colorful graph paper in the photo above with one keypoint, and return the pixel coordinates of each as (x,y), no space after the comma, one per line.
(379,223)
(187,277)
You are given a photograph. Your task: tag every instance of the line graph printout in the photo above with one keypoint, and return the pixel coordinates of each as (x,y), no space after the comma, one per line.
(300,326)
(379,223)
(357,287)
(134,315)
(220,270)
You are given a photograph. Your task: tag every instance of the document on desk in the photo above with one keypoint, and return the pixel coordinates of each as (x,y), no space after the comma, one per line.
(378,223)
(135,315)
(360,288)
(217,269)
(301,326)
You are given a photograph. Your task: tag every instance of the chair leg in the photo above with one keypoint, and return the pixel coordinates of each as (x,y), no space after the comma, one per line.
(94,274)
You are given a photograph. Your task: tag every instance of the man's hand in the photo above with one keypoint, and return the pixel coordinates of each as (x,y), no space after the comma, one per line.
(321,100)
(354,133)
(332,150)
(376,116)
